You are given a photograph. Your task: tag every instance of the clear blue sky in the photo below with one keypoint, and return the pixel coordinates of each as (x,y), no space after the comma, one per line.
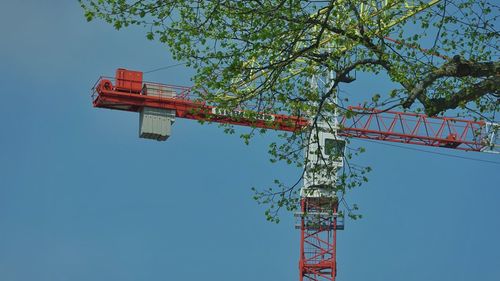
(82,198)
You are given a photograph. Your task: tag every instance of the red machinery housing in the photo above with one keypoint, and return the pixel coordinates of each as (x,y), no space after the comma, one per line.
(128,81)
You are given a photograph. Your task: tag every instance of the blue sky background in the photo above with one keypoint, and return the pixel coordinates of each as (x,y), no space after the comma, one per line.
(83,198)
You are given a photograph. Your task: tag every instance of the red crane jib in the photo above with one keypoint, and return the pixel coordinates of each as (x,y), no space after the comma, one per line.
(367,123)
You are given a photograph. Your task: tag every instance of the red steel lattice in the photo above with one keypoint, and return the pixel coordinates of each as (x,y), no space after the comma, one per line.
(318,238)
(404,127)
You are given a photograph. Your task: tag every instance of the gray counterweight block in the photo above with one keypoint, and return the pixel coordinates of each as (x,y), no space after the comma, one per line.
(156,123)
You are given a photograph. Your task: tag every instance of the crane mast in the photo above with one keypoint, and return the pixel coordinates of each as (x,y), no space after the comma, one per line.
(319,217)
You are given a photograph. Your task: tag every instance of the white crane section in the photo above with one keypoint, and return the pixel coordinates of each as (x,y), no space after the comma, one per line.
(493,138)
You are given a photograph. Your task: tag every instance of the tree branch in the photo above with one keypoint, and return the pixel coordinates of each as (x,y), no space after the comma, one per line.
(454,68)
(488,86)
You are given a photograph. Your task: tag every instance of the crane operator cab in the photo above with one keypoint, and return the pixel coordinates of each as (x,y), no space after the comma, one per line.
(323,158)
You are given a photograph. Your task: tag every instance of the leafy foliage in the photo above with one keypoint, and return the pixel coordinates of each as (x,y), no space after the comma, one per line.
(271,56)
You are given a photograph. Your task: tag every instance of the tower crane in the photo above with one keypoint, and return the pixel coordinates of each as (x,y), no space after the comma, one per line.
(159,105)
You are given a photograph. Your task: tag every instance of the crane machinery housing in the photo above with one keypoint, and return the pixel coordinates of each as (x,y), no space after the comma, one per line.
(159,104)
